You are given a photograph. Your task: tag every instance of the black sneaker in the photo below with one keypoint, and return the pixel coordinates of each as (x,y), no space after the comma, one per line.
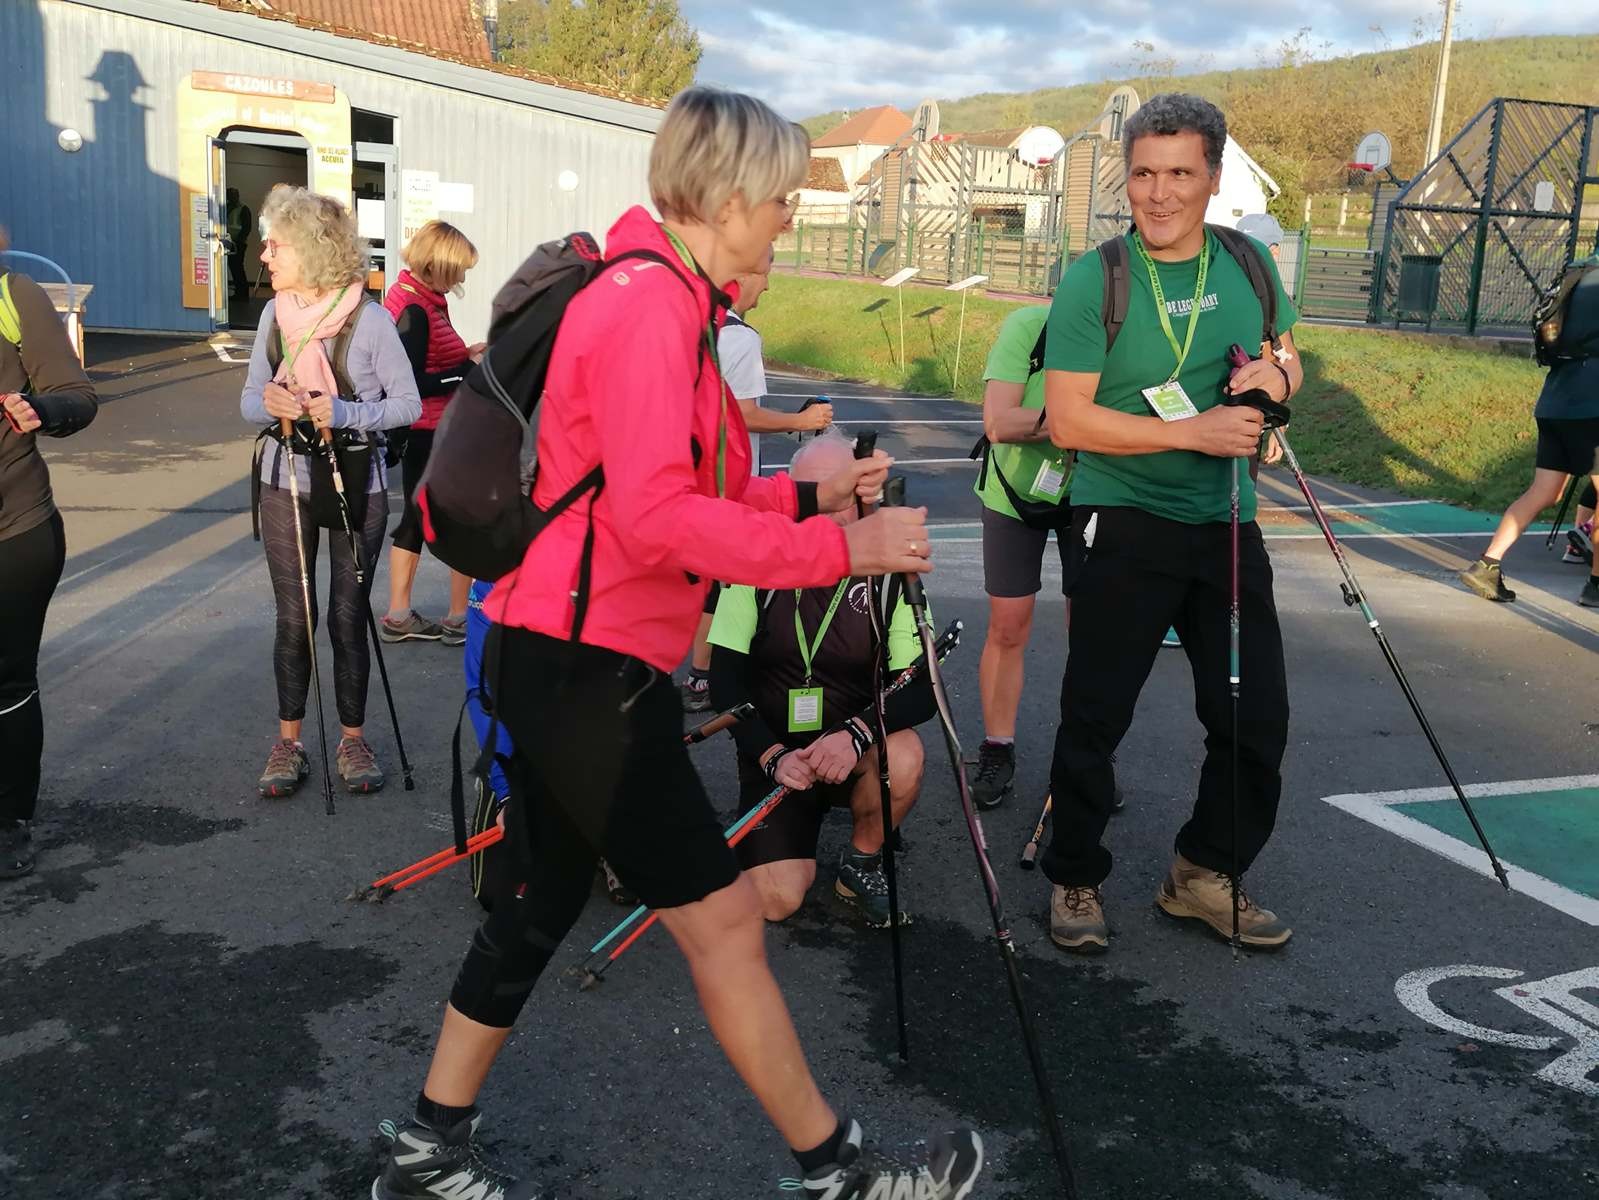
(996,767)
(949,1172)
(863,883)
(425,1164)
(1487,580)
(16,849)
(1590,593)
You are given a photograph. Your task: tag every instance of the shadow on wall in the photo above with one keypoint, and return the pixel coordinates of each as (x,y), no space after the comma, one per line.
(101,211)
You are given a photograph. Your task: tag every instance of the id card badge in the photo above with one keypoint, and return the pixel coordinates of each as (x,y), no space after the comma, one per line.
(1050,482)
(804,710)
(1170,402)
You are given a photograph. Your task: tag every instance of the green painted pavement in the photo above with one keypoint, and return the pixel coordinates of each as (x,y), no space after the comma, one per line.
(1553,834)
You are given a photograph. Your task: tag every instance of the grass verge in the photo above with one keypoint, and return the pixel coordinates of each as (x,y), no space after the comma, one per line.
(1425,417)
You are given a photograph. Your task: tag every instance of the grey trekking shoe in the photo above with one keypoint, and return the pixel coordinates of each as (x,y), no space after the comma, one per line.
(357,766)
(286,769)
(454,630)
(1487,580)
(1590,593)
(863,884)
(426,1164)
(996,767)
(948,1171)
(16,849)
(415,627)
(1077,920)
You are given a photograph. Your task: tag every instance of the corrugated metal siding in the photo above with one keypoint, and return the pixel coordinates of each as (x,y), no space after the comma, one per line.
(110,214)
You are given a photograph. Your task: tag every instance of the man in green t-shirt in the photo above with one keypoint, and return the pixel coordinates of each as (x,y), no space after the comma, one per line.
(1149,546)
(1024,464)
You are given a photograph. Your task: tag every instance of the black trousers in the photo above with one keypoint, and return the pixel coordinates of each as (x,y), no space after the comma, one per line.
(413,461)
(1141,574)
(32,568)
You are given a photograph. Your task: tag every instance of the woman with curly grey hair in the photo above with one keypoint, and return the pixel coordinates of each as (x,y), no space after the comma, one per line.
(325,358)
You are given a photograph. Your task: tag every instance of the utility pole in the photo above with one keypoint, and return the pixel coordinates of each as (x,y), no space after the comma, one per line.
(1440,86)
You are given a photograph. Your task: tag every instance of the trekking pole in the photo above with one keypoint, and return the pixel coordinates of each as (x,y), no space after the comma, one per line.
(287,428)
(380,890)
(1355,597)
(917,598)
(366,601)
(1560,515)
(1237,356)
(1030,851)
(947,641)
(865,444)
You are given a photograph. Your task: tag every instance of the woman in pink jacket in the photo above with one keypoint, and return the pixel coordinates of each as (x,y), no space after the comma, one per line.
(602,609)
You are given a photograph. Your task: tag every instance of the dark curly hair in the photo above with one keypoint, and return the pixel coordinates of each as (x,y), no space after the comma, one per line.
(1178,112)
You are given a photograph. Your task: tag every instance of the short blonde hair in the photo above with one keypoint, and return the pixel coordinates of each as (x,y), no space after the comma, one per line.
(714,144)
(322,232)
(440,255)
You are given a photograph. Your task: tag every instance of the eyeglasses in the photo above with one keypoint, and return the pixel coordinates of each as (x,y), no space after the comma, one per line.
(272,247)
(789,204)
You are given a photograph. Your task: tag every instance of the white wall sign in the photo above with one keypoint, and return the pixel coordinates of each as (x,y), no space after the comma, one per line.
(371,219)
(1543,195)
(455,197)
(419,201)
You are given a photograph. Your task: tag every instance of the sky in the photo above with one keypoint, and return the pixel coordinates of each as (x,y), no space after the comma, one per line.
(818,55)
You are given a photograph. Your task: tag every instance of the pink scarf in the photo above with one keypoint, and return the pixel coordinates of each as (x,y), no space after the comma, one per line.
(304,328)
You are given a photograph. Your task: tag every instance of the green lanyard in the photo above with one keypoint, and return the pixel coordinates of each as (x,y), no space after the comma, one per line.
(809,652)
(311,333)
(1160,301)
(710,347)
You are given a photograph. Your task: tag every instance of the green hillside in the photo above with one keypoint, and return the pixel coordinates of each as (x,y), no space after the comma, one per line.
(1302,119)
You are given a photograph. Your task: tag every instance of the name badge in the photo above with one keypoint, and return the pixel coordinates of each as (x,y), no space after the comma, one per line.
(1051,481)
(804,710)
(1170,402)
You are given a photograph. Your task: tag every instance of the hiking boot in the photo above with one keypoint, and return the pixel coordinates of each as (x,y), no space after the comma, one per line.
(425,1164)
(1192,891)
(357,766)
(1579,545)
(1487,580)
(996,767)
(415,627)
(949,1172)
(1077,920)
(286,769)
(16,849)
(1590,593)
(696,691)
(454,630)
(863,884)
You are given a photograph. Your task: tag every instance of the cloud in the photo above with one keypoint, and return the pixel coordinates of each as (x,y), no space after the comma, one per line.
(832,54)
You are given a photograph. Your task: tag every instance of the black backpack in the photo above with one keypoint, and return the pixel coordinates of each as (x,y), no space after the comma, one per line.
(1550,345)
(1115,261)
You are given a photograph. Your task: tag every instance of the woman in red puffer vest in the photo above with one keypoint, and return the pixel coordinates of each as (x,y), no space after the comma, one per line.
(437,260)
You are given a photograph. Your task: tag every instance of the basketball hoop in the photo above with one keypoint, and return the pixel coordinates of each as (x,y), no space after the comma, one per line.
(1359,174)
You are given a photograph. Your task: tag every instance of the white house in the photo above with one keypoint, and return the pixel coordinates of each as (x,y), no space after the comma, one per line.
(1245,187)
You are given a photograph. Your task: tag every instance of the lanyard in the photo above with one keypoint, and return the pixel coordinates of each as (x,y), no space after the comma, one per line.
(310,333)
(716,361)
(1160,301)
(809,652)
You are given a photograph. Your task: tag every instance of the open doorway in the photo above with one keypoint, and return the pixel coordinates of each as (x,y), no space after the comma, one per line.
(255,161)
(375,184)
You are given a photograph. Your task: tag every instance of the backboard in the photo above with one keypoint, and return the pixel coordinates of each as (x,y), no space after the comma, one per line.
(924,125)
(1374,152)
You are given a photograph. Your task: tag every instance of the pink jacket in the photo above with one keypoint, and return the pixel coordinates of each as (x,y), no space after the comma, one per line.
(621,391)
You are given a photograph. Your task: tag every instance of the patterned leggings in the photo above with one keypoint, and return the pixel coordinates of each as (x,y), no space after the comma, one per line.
(347,603)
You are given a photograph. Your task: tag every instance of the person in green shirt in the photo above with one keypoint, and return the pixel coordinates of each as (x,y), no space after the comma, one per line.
(1149,546)
(1023,462)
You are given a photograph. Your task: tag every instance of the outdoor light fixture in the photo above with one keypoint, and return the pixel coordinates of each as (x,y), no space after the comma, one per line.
(70,140)
(567,181)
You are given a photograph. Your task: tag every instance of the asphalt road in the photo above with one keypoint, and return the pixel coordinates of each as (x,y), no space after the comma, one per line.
(191,1008)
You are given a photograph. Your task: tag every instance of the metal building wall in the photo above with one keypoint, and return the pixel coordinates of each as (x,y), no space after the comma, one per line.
(110,213)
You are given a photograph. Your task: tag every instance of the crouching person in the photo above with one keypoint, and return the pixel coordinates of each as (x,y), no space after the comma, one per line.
(804,659)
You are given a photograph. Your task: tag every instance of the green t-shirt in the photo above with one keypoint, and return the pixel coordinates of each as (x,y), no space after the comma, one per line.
(1181,485)
(1008,362)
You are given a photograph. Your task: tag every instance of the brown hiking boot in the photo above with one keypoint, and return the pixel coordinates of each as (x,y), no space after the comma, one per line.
(1077,920)
(357,766)
(1191,891)
(286,769)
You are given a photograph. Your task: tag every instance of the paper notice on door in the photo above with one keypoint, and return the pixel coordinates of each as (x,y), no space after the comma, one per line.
(371,219)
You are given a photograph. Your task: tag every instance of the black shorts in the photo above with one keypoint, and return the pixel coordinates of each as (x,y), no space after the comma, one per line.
(1569,446)
(1013,554)
(600,735)
(792,829)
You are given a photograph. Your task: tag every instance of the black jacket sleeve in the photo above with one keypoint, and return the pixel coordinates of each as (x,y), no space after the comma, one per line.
(62,394)
(412,326)
(729,689)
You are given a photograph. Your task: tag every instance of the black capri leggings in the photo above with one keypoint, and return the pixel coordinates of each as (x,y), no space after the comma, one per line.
(32,568)
(408,529)
(347,604)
